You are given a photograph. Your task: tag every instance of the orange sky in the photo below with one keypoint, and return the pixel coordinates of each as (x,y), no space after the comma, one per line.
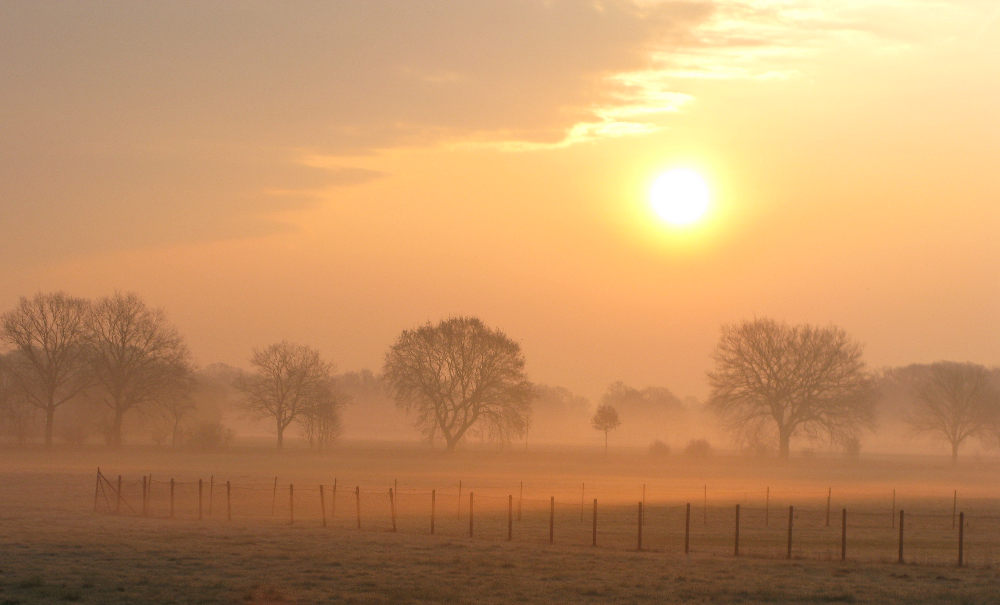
(333,173)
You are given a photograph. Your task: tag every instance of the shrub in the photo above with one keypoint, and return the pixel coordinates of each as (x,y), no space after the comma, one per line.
(210,436)
(698,448)
(659,449)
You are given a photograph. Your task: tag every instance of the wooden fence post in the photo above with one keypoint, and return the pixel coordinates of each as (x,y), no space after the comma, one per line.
(961,538)
(171,497)
(118,496)
(594,531)
(97,488)
(357,503)
(736,546)
(843,535)
(322,503)
(392,507)
(433,506)
(211,494)
(471,512)
(291,504)
(229,502)
(274,497)
(687,528)
(639,539)
(791,515)
(552,518)
(510,517)
(829,495)
(900,535)
(200,491)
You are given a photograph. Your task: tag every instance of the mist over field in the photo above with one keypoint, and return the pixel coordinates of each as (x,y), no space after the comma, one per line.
(490,301)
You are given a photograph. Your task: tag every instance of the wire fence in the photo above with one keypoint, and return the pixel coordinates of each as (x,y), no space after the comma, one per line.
(734,523)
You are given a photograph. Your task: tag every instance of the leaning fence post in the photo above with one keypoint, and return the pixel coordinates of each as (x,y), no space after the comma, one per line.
(471,515)
(791,514)
(687,528)
(171,497)
(594,531)
(900,535)
(843,535)
(357,503)
(552,518)
(322,504)
(200,488)
(639,539)
(229,502)
(961,538)
(433,506)
(736,547)
(118,496)
(510,517)
(392,507)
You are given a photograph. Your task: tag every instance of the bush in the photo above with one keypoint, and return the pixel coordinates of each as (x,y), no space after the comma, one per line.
(659,449)
(210,436)
(698,448)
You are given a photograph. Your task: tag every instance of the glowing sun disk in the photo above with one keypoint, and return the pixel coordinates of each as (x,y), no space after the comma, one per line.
(680,196)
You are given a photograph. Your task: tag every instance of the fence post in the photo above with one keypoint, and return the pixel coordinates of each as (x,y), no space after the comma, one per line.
(767,506)
(171,497)
(291,504)
(843,535)
(392,507)
(687,528)
(829,494)
(594,542)
(433,506)
(322,503)
(274,497)
(954,508)
(639,540)
(118,496)
(736,546)
(211,493)
(200,488)
(471,514)
(520,497)
(552,518)
(961,538)
(510,517)
(357,503)
(229,502)
(791,515)
(900,535)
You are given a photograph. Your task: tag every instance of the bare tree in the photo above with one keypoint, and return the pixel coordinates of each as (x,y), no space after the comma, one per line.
(770,378)
(137,357)
(460,375)
(958,401)
(288,380)
(49,363)
(605,419)
(321,418)
(17,416)
(175,407)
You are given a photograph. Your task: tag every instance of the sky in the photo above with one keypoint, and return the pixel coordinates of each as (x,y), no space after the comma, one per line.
(334,173)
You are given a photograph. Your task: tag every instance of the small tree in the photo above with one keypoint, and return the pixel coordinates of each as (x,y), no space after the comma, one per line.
(137,357)
(605,419)
(460,375)
(957,401)
(49,364)
(288,380)
(321,418)
(780,380)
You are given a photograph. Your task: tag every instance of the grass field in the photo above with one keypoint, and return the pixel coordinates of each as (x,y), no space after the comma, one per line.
(56,549)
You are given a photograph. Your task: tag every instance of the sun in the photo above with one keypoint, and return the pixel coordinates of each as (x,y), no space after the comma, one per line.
(680,196)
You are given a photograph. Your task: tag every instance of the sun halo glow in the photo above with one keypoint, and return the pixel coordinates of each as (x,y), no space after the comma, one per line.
(680,197)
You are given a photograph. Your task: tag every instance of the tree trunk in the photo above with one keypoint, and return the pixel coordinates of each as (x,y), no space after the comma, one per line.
(954,453)
(115,440)
(281,435)
(450,443)
(784,437)
(174,434)
(50,413)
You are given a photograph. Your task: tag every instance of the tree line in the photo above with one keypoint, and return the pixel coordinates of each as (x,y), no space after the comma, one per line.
(770,381)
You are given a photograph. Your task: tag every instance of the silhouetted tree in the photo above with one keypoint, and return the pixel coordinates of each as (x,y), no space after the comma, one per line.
(460,375)
(287,381)
(136,356)
(49,362)
(605,419)
(321,418)
(955,400)
(17,416)
(774,378)
(175,408)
